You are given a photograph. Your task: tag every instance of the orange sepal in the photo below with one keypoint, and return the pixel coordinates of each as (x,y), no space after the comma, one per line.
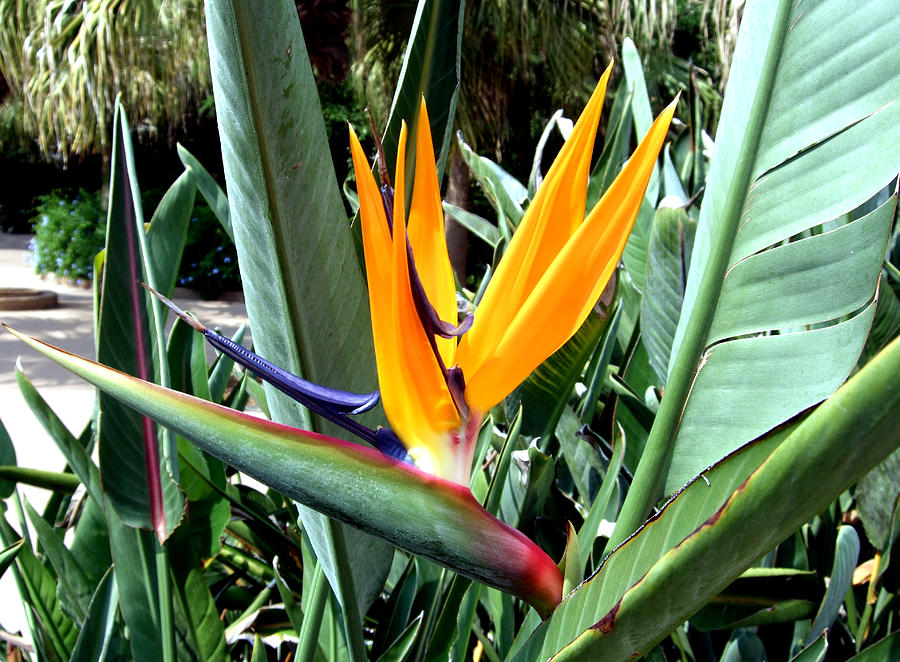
(426,235)
(572,283)
(414,393)
(555,213)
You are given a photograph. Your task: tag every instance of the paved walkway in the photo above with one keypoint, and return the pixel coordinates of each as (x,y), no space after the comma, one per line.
(69,326)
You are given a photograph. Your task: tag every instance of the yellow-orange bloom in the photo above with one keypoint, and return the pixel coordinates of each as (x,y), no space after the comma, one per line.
(552,273)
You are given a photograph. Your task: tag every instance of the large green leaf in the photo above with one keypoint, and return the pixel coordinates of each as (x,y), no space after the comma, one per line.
(8,555)
(305,291)
(7,458)
(430,70)
(37,586)
(808,132)
(130,446)
(196,608)
(74,589)
(782,480)
(138,458)
(213,194)
(136,568)
(167,233)
(635,255)
(94,639)
(669,258)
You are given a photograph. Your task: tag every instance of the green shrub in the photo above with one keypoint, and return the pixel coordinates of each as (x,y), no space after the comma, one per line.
(69,230)
(209,264)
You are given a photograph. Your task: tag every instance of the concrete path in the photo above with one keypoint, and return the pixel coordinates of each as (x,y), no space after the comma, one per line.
(69,326)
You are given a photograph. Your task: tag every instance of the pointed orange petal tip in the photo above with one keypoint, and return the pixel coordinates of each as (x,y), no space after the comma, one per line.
(553,216)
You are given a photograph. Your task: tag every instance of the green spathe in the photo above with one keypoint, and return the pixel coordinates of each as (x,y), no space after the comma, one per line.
(425,515)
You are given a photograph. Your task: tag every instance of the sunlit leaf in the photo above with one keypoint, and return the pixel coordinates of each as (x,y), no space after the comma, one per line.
(769,328)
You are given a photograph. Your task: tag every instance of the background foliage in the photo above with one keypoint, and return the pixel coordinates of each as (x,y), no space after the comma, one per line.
(69,232)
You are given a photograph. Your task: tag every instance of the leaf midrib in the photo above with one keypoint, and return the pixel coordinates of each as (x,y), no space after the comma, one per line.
(290,295)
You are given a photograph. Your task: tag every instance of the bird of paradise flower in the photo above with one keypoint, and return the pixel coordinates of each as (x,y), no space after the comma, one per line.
(436,391)
(437,379)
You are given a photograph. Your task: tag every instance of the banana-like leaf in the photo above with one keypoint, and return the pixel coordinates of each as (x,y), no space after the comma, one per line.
(136,473)
(817,140)
(94,639)
(197,610)
(213,194)
(430,69)
(846,555)
(783,480)
(635,255)
(305,291)
(669,258)
(167,233)
(425,515)
(37,587)
(8,555)
(886,650)
(138,458)
(74,588)
(808,133)
(7,458)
